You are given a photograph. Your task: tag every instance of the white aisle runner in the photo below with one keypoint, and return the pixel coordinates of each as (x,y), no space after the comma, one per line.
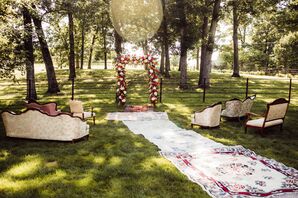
(223,171)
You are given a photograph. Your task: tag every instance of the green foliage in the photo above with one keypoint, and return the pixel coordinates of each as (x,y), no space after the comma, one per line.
(286,51)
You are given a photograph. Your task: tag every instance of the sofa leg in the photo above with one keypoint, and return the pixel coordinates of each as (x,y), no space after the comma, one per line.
(245,130)
(281,127)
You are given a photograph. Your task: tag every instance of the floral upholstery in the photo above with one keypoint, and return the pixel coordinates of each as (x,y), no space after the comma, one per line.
(237,108)
(277,111)
(246,106)
(209,117)
(274,115)
(34,124)
(233,108)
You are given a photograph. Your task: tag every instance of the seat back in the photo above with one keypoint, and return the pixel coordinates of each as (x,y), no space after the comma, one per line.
(233,107)
(76,106)
(247,105)
(277,109)
(48,108)
(214,114)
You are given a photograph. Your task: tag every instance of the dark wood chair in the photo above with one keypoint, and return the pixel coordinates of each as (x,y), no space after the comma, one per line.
(274,116)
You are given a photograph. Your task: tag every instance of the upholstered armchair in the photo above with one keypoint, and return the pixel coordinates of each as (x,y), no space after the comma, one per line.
(236,108)
(208,117)
(76,109)
(274,116)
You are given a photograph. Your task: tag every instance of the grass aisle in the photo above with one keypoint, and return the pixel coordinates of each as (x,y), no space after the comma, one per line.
(117,163)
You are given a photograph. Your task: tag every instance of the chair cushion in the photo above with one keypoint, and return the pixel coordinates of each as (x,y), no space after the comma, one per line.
(86,114)
(259,123)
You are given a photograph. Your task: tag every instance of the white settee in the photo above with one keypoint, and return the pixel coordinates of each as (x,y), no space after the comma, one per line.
(35,124)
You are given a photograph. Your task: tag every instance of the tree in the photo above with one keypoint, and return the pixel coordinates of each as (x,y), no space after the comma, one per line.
(235,39)
(165,39)
(183,45)
(92,46)
(29,57)
(204,79)
(12,56)
(118,43)
(51,76)
(72,69)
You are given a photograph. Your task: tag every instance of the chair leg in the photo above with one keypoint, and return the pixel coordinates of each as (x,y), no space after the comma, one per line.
(93,120)
(191,125)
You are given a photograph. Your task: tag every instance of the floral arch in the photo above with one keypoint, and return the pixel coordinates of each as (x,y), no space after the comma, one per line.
(150,63)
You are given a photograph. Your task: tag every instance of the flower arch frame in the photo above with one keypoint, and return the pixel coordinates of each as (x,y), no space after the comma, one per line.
(150,63)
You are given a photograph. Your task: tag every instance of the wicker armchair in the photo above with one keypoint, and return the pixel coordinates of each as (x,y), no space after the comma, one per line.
(208,117)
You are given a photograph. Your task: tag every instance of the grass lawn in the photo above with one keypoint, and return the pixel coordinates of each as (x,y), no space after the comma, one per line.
(116,163)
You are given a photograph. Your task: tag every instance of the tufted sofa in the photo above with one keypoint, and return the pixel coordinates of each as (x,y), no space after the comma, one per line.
(36,124)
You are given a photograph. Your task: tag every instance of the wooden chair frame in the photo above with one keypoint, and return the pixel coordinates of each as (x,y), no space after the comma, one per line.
(265,116)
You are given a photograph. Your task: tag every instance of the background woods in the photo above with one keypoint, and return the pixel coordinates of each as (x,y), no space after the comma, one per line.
(222,34)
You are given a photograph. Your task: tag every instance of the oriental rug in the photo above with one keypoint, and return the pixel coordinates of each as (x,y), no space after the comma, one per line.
(222,171)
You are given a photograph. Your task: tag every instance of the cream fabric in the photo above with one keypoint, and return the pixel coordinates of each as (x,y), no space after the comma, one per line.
(33,124)
(237,108)
(259,122)
(246,107)
(210,117)
(277,111)
(76,106)
(233,108)
(86,114)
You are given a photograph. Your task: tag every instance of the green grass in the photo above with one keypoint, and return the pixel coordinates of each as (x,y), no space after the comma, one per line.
(116,163)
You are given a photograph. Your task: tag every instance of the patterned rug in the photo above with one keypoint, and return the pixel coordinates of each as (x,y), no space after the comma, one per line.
(222,171)
(138,108)
(237,172)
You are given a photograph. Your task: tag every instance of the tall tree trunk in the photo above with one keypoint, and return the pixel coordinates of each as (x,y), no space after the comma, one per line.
(47,58)
(72,69)
(210,43)
(166,41)
(28,48)
(118,43)
(92,46)
(105,47)
(82,44)
(203,71)
(77,60)
(183,68)
(183,45)
(162,60)
(235,40)
(198,59)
